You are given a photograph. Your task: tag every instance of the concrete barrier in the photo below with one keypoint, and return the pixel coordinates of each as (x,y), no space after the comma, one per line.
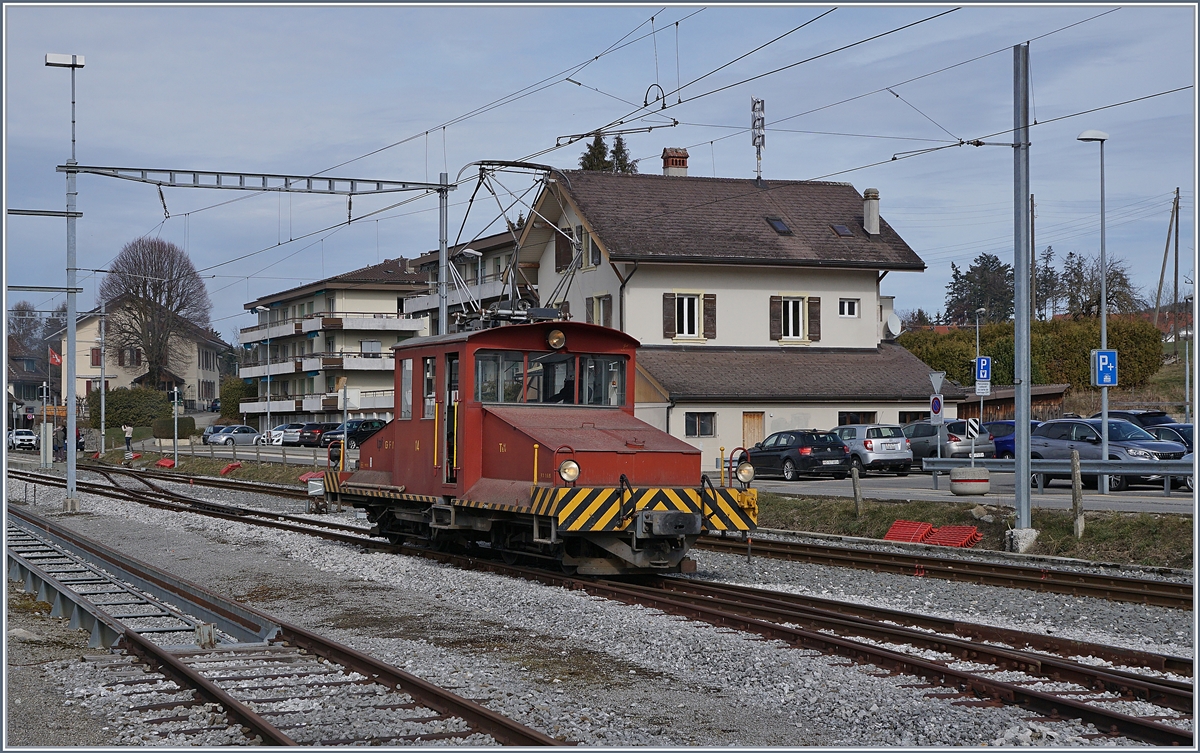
(970,481)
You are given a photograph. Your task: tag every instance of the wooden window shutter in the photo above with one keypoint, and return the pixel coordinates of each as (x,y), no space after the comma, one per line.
(776,317)
(565,309)
(814,319)
(589,305)
(669,330)
(121,357)
(710,315)
(606,310)
(562,252)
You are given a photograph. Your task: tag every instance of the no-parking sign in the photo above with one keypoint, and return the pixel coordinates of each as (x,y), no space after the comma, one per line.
(935,409)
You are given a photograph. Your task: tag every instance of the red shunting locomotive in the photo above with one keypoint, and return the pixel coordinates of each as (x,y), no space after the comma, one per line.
(522,439)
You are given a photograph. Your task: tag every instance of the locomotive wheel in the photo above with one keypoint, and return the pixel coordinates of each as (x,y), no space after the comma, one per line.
(568,569)
(509,557)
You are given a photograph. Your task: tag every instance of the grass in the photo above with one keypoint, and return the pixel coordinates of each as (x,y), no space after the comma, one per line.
(274,473)
(1127,538)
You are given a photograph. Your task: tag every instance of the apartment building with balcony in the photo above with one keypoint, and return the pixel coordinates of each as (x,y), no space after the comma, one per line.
(309,338)
(479,278)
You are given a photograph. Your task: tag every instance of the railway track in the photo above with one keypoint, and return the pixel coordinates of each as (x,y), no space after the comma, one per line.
(198,480)
(1114,588)
(968,663)
(277,683)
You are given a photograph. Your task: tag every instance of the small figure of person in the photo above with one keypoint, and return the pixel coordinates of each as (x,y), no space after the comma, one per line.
(128,437)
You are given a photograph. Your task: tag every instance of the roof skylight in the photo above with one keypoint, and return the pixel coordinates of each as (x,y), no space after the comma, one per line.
(779,226)
(842,231)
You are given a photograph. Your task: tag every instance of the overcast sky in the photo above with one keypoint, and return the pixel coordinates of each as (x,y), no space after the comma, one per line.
(298,90)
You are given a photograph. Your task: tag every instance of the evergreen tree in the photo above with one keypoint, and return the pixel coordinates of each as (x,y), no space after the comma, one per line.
(596,156)
(620,158)
(987,283)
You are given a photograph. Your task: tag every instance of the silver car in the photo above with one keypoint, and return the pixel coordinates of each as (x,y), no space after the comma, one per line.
(881,447)
(956,444)
(235,435)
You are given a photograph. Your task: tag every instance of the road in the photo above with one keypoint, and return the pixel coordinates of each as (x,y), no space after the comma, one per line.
(919,486)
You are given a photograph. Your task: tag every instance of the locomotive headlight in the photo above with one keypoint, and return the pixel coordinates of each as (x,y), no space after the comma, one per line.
(569,470)
(745,473)
(556,339)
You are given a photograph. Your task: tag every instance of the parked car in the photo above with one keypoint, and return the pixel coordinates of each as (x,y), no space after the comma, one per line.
(360,429)
(310,435)
(1126,441)
(277,435)
(790,453)
(876,447)
(23,439)
(1173,433)
(215,405)
(209,431)
(1004,436)
(956,444)
(236,435)
(291,435)
(1188,481)
(1142,418)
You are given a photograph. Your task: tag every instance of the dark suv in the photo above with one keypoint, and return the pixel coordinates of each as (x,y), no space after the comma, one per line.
(360,430)
(310,435)
(1126,441)
(790,453)
(1142,418)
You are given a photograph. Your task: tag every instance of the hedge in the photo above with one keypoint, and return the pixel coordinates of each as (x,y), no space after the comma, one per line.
(139,406)
(1060,350)
(164,428)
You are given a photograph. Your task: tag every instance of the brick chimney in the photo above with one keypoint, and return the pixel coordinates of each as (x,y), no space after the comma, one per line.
(871,211)
(675,161)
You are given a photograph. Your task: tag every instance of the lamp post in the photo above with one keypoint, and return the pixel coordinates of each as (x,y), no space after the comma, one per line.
(175,426)
(267,311)
(1101,137)
(71,503)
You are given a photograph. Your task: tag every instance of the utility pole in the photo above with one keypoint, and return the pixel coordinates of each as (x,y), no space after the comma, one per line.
(443,219)
(1162,275)
(1032,262)
(103,381)
(1021,204)
(71,502)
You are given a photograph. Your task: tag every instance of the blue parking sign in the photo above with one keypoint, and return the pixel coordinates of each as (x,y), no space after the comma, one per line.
(1104,368)
(983,369)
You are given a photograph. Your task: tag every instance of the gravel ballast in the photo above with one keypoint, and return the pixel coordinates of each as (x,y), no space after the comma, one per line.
(601,673)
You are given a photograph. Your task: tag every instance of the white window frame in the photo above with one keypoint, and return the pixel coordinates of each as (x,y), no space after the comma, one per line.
(792,317)
(845,304)
(684,301)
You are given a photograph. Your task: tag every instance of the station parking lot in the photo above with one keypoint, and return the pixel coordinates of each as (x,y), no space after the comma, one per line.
(919,486)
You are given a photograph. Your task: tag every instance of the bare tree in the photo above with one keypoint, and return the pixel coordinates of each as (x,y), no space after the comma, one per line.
(25,324)
(1081,287)
(161,297)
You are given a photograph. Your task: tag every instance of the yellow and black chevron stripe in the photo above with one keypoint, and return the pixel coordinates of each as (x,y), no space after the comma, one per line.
(611,509)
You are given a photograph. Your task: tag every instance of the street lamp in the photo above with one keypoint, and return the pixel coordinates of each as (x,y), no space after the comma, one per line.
(267,311)
(71,503)
(1101,137)
(1187,361)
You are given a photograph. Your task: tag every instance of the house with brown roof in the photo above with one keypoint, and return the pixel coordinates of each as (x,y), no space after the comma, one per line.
(308,338)
(193,367)
(27,372)
(757,303)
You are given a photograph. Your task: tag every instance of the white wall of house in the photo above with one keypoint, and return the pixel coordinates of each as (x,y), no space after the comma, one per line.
(743,303)
(729,419)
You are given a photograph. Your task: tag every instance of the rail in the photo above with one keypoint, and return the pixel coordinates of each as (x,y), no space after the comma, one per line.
(1168,469)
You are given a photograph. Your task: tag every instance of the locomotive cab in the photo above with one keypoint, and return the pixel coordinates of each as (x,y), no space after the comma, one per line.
(522,439)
